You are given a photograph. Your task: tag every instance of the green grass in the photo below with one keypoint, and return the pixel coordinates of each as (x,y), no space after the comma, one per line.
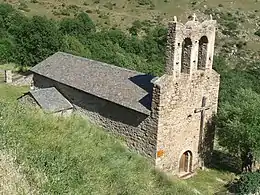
(14,67)
(9,66)
(72,156)
(211,181)
(10,93)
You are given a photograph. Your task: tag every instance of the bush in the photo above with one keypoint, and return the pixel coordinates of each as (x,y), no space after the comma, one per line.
(96,1)
(248,183)
(27,41)
(109,5)
(81,25)
(144,2)
(7,51)
(71,44)
(64,12)
(257,32)
(23,6)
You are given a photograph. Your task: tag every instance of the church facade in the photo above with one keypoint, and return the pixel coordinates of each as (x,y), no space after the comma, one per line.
(168,118)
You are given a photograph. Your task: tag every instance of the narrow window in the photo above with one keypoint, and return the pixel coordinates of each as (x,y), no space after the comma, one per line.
(203,50)
(186,55)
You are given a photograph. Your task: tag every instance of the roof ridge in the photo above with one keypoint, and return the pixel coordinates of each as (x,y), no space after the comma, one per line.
(103,63)
(100,79)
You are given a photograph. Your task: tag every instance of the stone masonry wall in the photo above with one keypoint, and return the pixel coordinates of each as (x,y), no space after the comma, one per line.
(194,31)
(179,125)
(139,130)
(23,81)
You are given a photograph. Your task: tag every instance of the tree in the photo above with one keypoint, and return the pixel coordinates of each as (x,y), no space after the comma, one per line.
(5,11)
(81,25)
(71,44)
(7,51)
(238,122)
(36,39)
(136,27)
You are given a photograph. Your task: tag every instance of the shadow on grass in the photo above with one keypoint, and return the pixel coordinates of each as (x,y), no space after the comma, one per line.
(225,162)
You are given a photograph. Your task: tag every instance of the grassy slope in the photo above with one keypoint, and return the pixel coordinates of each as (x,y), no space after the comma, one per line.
(75,168)
(12,180)
(72,156)
(124,12)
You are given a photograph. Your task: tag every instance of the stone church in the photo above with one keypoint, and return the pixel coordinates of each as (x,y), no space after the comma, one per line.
(168,118)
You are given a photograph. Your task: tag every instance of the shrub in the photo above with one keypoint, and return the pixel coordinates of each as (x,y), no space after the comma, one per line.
(73,9)
(96,1)
(144,2)
(248,183)
(7,50)
(257,32)
(109,5)
(23,6)
(64,12)
(80,25)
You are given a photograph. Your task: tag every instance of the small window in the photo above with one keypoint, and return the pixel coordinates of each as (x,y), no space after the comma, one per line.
(202,53)
(186,55)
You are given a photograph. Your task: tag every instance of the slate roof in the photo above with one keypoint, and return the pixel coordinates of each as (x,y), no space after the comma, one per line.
(50,99)
(122,86)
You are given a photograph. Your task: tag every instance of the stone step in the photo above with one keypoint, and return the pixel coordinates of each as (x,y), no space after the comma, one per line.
(187,175)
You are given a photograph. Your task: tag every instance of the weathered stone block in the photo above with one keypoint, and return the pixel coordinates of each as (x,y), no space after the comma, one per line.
(8,76)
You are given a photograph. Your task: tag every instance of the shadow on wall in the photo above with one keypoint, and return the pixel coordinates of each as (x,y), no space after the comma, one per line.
(144,81)
(93,104)
(102,107)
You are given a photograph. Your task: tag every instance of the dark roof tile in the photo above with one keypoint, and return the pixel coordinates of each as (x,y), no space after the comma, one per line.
(119,85)
(50,99)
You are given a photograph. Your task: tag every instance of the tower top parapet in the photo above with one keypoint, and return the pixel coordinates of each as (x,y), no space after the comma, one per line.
(194,22)
(190,46)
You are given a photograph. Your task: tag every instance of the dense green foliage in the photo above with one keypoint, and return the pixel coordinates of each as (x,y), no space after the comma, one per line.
(27,41)
(239,121)
(248,183)
(71,156)
(238,116)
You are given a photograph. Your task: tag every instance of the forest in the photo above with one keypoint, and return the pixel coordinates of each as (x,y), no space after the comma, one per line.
(27,41)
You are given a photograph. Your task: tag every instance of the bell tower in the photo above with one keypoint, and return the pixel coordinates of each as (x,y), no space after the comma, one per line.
(190,46)
(185,98)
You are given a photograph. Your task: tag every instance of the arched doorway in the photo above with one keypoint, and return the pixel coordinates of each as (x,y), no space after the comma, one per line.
(185,165)
(203,51)
(186,55)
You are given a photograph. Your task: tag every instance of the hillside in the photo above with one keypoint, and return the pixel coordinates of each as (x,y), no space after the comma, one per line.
(74,160)
(238,21)
(41,154)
